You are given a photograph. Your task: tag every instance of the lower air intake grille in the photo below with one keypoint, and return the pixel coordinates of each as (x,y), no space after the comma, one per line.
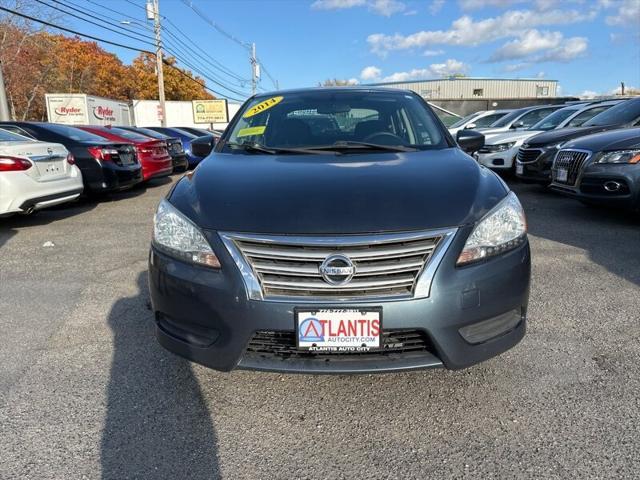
(282,343)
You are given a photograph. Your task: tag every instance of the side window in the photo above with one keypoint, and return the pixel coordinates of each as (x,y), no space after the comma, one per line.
(488,120)
(584,116)
(18,130)
(535,116)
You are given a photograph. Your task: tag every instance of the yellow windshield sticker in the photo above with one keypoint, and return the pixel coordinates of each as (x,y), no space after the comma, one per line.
(246,132)
(262,106)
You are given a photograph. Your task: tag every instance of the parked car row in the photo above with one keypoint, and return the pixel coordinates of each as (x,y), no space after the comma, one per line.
(588,150)
(45,164)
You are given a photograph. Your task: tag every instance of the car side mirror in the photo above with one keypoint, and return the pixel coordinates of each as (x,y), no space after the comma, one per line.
(470,126)
(518,124)
(202,146)
(470,140)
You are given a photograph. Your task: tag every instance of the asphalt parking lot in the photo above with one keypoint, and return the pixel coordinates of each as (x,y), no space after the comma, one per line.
(86,392)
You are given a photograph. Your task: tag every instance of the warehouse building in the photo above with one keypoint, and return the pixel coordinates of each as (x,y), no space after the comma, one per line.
(464,95)
(466,88)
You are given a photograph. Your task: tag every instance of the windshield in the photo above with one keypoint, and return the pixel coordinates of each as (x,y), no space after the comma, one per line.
(312,119)
(556,118)
(508,118)
(74,133)
(12,137)
(464,120)
(621,114)
(585,115)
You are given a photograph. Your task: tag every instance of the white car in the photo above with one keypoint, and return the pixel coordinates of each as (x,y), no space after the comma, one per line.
(500,149)
(35,175)
(520,119)
(482,119)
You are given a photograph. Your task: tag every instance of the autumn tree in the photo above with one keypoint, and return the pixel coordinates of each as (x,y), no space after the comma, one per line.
(177,86)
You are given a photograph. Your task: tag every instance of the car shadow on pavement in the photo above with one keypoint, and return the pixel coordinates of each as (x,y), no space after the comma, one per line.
(157,423)
(610,237)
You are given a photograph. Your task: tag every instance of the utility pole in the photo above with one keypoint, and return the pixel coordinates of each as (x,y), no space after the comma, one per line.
(255,69)
(153,13)
(4,105)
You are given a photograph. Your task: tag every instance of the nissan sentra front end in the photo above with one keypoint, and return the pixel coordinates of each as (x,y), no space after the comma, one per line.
(339,256)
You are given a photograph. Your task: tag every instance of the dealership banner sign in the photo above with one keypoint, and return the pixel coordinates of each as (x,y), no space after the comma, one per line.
(210,111)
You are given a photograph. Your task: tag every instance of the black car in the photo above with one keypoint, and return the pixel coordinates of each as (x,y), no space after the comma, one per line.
(106,166)
(378,246)
(536,155)
(603,168)
(174,145)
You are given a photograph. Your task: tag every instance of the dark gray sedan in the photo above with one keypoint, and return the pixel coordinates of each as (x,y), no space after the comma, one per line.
(371,244)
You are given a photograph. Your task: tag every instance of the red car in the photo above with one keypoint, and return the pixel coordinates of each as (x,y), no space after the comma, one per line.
(152,154)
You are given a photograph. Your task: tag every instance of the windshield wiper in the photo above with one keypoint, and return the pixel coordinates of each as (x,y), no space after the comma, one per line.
(258,147)
(353,145)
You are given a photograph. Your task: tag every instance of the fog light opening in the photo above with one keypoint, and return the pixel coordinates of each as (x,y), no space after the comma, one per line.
(494,327)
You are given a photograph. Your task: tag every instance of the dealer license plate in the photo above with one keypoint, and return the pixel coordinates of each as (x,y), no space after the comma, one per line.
(519,169)
(338,330)
(562,175)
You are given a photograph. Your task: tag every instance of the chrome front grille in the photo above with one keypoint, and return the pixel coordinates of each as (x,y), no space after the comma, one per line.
(528,155)
(571,161)
(385,266)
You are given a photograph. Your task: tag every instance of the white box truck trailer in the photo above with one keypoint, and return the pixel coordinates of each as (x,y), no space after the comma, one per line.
(82,109)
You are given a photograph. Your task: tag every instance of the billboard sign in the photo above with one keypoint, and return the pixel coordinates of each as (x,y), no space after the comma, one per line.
(210,111)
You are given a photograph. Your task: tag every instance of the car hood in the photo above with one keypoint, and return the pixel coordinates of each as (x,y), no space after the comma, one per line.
(491,131)
(511,136)
(554,137)
(610,140)
(337,194)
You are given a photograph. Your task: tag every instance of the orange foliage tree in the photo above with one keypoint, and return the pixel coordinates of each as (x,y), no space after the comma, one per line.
(38,62)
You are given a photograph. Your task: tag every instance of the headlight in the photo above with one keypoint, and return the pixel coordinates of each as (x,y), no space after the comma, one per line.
(502,229)
(620,156)
(174,234)
(500,147)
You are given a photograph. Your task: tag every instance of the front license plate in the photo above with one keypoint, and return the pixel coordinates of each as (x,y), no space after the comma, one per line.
(562,175)
(519,169)
(338,330)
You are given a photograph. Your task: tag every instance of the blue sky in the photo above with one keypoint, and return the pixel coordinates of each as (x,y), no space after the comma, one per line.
(588,45)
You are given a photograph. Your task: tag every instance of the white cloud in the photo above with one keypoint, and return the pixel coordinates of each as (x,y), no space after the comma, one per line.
(588,94)
(465,31)
(531,41)
(353,81)
(336,4)
(436,6)
(618,89)
(370,73)
(541,74)
(387,7)
(467,5)
(436,70)
(536,46)
(380,7)
(410,13)
(432,53)
(627,15)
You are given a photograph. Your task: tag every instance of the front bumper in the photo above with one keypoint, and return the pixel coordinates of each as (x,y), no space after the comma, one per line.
(206,316)
(538,171)
(498,160)
(591,183)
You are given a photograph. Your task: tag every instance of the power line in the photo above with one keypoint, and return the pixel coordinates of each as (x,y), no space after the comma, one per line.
(92,22)
(175,47)
(208,77)
(109,42)
(103,15)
